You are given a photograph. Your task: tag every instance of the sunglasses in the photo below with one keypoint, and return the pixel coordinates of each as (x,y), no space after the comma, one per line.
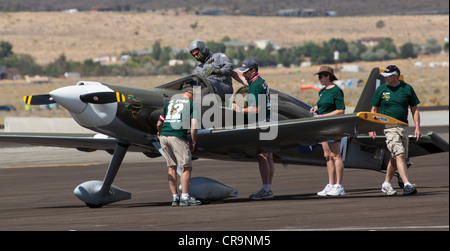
(323,75)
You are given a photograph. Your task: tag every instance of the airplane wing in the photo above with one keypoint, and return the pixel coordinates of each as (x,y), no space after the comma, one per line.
(290,133)
(82,141)
(287,133)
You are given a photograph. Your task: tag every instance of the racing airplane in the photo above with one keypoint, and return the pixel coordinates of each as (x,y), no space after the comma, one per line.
(126,117)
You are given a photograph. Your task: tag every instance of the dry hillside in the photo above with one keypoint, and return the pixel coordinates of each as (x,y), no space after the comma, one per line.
(46,35)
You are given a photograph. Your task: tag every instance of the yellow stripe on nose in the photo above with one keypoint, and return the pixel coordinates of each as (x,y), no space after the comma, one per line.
(120,97)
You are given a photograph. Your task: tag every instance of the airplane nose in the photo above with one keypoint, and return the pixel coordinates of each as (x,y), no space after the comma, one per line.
(69,98)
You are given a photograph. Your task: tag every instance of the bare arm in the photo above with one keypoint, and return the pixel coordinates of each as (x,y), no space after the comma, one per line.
(373,134)
(159,126)
(236,77)
(194,130)
(416,117)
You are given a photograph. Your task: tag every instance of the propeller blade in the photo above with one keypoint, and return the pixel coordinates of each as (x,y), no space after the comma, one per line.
(102,97)
(43,99)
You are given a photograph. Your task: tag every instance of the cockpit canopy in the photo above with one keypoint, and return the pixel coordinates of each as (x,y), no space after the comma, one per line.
(288,107)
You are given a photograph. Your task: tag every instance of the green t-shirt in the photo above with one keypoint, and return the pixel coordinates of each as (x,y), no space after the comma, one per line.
(394,100)
(177,115)
(330,100)
(257,87)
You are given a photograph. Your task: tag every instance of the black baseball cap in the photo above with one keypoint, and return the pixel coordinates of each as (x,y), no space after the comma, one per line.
(391,70)
(247,65)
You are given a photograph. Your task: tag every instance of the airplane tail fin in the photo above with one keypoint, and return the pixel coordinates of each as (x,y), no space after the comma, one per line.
(374,80)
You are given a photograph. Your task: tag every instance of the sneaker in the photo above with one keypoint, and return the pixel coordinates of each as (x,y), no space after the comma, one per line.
(175,202)
(337,190)
(325,191)
(409,189)
(387,189)
(190,201)
(262,195)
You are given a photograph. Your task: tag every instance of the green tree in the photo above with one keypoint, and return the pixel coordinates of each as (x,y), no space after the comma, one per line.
(156,50)
(432,46)
(5,49)
(408,51)
(24,62)
(387,45)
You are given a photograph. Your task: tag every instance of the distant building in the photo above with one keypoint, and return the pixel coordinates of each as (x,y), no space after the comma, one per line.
(37,79)
(371,41)
(289,13)
(262,44)
(72,75)
(9,73)
(212,12)
(233,44)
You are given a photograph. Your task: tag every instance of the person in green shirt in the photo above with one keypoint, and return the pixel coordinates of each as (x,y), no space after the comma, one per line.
(179,116)
(331,102)
(258,89)
(393,99)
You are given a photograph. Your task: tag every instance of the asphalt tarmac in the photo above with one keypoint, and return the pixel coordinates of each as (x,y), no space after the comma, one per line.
(37,186)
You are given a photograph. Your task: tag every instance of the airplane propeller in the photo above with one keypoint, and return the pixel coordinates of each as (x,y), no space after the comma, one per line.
(93,98)
(43,99)
(102,97)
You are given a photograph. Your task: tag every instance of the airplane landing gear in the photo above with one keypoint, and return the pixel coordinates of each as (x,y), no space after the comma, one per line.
(97,193)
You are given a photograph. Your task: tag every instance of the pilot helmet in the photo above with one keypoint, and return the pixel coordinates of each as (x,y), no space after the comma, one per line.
(202,47)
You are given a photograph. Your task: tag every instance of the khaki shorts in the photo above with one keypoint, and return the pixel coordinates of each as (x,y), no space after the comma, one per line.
(176,150)
(397,140)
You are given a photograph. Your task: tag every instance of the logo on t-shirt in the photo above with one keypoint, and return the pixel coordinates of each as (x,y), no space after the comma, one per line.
(386,96)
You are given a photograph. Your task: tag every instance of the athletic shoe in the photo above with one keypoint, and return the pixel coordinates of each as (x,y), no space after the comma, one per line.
(190,201)
(409,189)
(175,202)
(262,195)
(337,190)
(325,191)
(387,189)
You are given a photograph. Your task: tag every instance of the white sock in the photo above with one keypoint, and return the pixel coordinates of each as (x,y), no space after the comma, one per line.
(267,188)
(176,196)
(184,196)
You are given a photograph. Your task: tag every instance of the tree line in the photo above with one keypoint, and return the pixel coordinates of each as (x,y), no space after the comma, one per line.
(157,62)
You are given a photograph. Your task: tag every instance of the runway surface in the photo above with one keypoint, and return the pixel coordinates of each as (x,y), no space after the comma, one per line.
(37,194)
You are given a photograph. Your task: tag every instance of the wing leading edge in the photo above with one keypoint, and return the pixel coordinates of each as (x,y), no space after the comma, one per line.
(286,134)
(289,133)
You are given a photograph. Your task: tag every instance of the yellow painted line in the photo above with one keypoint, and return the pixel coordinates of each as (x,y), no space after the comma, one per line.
(53,165)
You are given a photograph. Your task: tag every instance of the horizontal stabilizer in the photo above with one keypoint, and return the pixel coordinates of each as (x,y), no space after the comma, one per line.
(379,118)
(43,99)
(102,97)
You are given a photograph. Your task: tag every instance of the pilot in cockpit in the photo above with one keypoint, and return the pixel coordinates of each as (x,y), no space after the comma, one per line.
(216,67)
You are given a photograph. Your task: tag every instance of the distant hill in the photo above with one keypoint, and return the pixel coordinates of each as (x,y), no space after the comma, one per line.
(240,7)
